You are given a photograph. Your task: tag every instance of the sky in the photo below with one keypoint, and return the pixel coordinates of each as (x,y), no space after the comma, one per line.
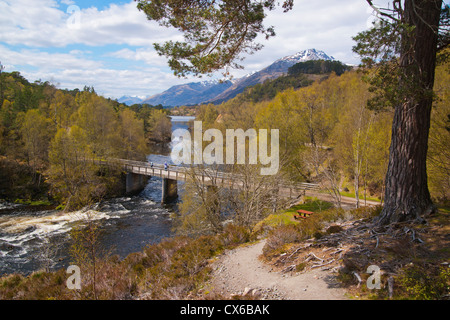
(108,44)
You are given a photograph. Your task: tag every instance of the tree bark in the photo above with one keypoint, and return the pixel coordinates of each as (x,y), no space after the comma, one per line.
(407,196)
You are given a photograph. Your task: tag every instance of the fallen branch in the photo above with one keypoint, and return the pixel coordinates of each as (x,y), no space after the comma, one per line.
(337,251)
(323,264)
(288,268)
(298,249)
(357,277)
(312,254)
(413,235)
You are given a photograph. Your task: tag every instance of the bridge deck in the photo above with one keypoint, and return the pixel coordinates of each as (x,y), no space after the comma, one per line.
(207,176)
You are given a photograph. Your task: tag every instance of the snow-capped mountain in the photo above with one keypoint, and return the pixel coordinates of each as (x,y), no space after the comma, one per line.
(215,91)
(130,100)
(275,70)
(306,55)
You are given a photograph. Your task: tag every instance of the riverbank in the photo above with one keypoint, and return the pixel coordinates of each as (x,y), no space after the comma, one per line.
(331,264)
(19,182)
(31,238)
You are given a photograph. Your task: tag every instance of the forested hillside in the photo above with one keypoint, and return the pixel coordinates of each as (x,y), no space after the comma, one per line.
(300,75)
(48,136)
(327,133)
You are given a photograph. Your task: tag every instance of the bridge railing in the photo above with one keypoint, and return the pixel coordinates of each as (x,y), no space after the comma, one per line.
(206,175)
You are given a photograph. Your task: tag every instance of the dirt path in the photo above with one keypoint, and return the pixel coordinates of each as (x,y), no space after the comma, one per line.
(239,271)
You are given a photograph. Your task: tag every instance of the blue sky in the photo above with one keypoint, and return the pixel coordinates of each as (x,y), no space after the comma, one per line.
(108,44)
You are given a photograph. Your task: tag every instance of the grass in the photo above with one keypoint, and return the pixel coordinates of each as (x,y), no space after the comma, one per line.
(444,209)
(361,196)
(311,204)
(351,194)
(287,217)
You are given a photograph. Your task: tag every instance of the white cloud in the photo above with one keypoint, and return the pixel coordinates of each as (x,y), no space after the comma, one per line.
(132,66)
(46,61)
(147,55)
(72,70)
(41,23)
(323,25)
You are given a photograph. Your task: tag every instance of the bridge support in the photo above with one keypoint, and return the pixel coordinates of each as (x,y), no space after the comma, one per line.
(169,190)
(135,183)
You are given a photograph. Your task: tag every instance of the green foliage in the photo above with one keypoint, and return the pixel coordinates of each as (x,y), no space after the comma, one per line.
(157,125)
(56,131)
(132,136)
(269,89)
(438,161)
(379,48)
(311,204)
(216,32)
(296,78)
(425,282)
(318,67)
(33,203)
(19,181)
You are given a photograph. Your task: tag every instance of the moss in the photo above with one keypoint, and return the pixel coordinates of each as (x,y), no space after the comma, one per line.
(424,282)
(33,202)
(334,229)
(300,267)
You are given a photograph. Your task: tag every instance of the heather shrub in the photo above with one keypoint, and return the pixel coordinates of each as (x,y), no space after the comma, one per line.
(234,235)
(281,236)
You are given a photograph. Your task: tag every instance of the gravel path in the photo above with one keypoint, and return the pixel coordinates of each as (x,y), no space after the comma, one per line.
(239,271)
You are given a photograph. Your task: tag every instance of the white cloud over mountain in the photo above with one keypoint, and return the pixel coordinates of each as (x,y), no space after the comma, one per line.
(109,44)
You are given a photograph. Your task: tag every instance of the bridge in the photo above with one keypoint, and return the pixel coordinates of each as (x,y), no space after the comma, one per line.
(208,177)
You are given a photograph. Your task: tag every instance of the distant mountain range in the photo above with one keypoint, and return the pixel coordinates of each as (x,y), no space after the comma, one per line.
(129,100)
(217,92)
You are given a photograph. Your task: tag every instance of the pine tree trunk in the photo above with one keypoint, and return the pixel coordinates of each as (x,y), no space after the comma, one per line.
(407,196)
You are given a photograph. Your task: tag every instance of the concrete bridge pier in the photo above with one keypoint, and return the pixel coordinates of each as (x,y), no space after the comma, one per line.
(135,183)
(169,190)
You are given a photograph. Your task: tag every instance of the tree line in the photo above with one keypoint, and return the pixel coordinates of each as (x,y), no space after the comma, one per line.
(329,136)
(300,75)
(398,53)
(55,132)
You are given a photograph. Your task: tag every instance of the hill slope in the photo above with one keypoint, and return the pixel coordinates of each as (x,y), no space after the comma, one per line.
(217,92)
(189,93)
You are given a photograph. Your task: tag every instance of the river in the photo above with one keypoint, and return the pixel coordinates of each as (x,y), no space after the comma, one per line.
(30,240)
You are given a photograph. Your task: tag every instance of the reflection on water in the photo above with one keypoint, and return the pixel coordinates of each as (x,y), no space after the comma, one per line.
(126,225)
